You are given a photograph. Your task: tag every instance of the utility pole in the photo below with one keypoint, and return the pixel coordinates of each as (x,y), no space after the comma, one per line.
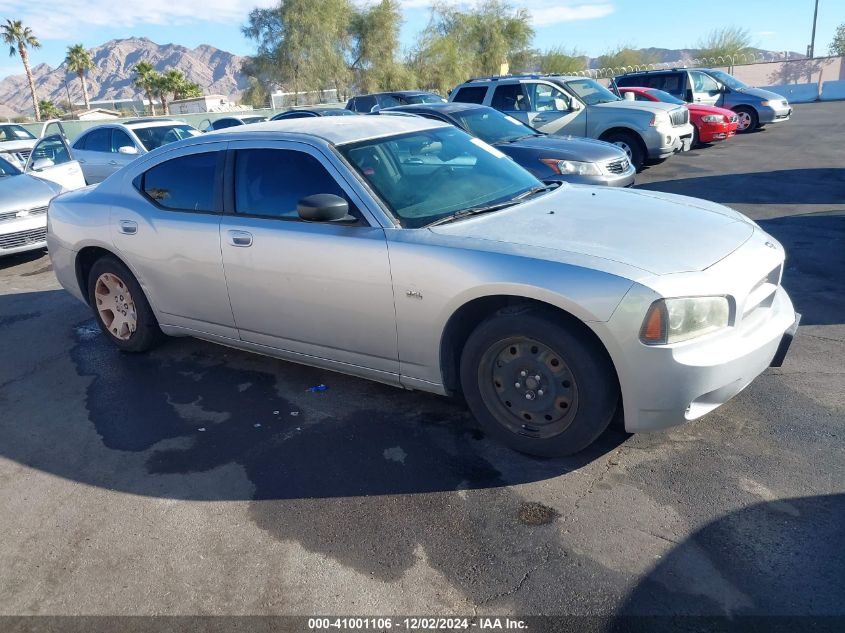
(812,48)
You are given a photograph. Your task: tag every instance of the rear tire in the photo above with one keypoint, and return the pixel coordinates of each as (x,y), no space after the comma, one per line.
(631,144)
(747,120)
(120,306)
(538,383)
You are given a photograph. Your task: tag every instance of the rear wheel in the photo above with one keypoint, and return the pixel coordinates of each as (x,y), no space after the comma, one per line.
(747,120)
(537,383)
(120,307)
(630,144)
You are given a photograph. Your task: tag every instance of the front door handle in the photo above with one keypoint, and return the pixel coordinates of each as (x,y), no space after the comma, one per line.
(113,162)
(240,238)
(128,227)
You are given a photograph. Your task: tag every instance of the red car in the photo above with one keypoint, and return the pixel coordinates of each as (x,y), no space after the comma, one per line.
(710,123)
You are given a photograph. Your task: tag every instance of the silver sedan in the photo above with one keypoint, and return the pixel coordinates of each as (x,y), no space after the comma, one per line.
(406,251)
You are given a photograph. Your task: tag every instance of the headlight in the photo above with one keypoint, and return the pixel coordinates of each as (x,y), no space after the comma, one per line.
(713,118)
(675,320)
(661,118)
(572,167)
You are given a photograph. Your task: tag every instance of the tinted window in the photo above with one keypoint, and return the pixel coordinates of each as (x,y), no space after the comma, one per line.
(270,182)
(120,139)
(97,141)
(471,94)
(15,133)
(153,137)
(222,124)
(509,98)
(185,183)
(671,84)
(390,101)
(365,104)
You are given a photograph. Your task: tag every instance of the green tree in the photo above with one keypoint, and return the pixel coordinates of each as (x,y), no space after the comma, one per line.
(375,36)
(302,44)
(79,61)
(145,79)
(20,38)
(477,41)
(256,93)
(622,57)
(49,110)
(560,61)
(837,46)
(724,42)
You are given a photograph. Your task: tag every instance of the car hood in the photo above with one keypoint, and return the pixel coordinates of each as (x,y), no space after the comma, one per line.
(763,94)
(656,232)
(565,148)
(645,106)
(24,192)
(702,109)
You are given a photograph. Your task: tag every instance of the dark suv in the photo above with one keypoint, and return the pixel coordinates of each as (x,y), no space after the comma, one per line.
(378,100)
(754,107)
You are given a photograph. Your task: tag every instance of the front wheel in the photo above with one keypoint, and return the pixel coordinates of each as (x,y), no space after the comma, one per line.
(538,383)
(747,120)
(631,145)
(120,307)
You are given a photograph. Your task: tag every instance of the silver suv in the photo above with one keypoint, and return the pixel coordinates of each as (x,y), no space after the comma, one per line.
(580,106)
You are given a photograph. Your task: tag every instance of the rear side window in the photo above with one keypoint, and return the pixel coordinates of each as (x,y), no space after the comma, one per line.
(509,98)
(470,94)
(186,183)
(222,124)
(365,104)
(97,141)
(270,182)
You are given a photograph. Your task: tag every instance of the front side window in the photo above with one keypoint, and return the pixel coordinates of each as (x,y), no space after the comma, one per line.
(153,137)
(546,98)
(120,139)
(186,183)
(271,182)
(424,176)
(52,148)
(702,82)
(15,133)
(471,94)
(729,80)
(590,91)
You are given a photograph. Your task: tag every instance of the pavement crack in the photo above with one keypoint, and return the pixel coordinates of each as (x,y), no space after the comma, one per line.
(33,370)
(516,589)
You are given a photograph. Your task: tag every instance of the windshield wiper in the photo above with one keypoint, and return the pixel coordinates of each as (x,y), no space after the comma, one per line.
(465,213)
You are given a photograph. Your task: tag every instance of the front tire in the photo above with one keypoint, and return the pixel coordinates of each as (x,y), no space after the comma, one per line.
(747,120)
(120,306)
(538,383)
(631,145)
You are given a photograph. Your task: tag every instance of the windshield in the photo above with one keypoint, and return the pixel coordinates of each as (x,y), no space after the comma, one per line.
(665,97)
(8,169)
(153,137)
(428,175)
(15,133)
(491,126)
(591,92)
(729,80)
(424,99)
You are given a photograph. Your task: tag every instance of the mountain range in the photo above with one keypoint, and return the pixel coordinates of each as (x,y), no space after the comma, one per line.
(216,71)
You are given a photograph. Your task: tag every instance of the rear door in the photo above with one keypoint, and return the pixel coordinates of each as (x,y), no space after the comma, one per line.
(553,111)
(51,159)
(512,100)
(93,151)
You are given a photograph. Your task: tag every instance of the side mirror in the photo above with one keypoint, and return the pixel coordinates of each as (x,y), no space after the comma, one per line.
(574,105)
(42,163)
(375,109)
(324,207)
(131,150)
(629,96)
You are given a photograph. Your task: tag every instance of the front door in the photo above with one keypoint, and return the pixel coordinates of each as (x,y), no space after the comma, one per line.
(170,231)
(314,290)
(553,111)
(52,160)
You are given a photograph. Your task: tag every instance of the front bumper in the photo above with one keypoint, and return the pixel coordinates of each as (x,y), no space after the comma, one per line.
(774,115)
(24,234)
(711,132)
(663,142)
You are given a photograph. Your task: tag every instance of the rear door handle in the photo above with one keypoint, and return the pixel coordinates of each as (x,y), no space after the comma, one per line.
(128,227)
(240,238)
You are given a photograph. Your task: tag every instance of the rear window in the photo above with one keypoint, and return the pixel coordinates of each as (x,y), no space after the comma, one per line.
(186,183)
(470,94)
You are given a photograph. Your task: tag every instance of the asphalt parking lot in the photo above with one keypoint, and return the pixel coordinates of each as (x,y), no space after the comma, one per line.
(202,480)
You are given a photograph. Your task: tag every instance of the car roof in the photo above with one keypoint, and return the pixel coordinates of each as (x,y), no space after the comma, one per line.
(336,130)
(445,108)
(503,78)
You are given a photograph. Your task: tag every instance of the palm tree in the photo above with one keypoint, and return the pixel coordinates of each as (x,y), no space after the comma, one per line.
(145,79)
(49,109)
(20,38)
(78,60)
(162,87)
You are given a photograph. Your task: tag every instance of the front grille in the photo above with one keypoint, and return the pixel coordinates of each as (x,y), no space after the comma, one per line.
(618,166)
(763,293)
(6,216)
(679,117)
(22,238)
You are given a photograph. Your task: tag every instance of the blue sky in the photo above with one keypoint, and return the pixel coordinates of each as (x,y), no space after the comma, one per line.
(592,26)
